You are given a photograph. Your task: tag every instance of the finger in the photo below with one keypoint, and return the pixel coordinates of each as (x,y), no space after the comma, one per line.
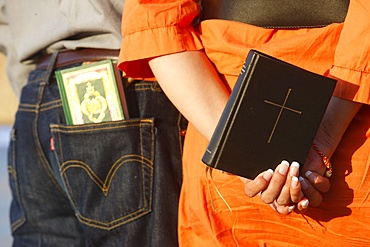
(253,187)
(302,205)
(296,193)
(282,209)
(310,192)
(284,196)
(295,186)
(321,183)
(291,192)
(276,184)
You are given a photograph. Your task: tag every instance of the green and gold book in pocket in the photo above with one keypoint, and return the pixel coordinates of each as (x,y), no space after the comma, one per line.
(90,94)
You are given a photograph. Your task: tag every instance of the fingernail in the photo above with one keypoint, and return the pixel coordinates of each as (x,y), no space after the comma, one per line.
(284,166)
(294,168)
(291,208)
(305,203)
(304,183)
(311,176)
(268,174)
(294,182)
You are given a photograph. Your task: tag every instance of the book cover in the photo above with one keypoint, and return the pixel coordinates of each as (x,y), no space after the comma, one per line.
(90,93)
(273,114)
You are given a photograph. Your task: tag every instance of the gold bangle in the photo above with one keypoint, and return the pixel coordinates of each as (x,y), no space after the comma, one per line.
(326,161)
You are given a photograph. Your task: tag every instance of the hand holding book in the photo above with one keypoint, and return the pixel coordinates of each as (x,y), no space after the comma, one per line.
(272,187)
(273,113)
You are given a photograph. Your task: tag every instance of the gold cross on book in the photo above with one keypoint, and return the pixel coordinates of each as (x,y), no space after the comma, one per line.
(282,107)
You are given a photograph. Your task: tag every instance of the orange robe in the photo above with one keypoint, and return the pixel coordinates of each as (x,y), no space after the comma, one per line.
(215,212)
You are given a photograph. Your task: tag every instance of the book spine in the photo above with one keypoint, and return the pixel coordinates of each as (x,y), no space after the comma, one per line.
(63,97)
(210,156)
(116,86)
(121,89)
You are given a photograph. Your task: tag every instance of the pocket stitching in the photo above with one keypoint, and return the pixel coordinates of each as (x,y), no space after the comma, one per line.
(12,171)
(124,219)
(103,184)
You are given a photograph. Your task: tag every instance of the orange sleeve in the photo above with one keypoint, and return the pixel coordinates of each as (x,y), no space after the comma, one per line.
(352,55)
(152,28)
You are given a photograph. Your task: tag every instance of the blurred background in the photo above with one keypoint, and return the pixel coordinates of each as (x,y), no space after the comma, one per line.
(8,106)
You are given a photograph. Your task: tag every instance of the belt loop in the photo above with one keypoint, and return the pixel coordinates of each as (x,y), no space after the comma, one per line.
(156,87)
(50,68)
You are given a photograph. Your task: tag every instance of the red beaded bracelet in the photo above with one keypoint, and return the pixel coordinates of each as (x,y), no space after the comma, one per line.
(325,160)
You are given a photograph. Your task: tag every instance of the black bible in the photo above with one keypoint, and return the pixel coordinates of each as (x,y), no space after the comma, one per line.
(273,114)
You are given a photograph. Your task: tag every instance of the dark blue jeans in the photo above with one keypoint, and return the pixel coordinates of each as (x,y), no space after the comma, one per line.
(107,184)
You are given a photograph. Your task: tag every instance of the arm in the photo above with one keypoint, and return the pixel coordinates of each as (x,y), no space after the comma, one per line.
(338,116)
(193,85)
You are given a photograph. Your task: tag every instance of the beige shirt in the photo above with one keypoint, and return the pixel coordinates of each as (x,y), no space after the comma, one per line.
(29,29)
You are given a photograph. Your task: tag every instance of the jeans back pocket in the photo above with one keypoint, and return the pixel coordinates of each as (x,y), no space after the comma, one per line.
(106,169)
